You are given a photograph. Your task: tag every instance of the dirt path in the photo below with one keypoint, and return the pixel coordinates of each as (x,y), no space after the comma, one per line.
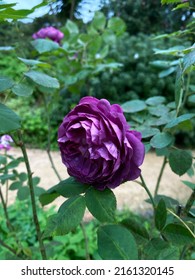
(129,195)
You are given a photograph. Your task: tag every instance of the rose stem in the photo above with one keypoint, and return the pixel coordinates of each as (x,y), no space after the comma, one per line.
(32,194)
(160,176)
(148,192)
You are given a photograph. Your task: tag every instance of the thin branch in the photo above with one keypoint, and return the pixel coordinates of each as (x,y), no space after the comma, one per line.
(160,176)
(32,193)
(148,191)
(186,226)
(5,211)
(3,244)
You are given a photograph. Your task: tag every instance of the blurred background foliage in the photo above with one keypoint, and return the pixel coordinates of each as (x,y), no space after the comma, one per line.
(128,68)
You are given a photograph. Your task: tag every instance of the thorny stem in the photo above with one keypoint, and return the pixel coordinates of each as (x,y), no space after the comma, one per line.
(5,210)
(148,191)
(49,140)
(32,194)
(189,203)
(160,176)
(86,241)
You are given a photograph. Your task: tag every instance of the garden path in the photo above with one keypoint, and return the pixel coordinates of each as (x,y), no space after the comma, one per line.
(129,195)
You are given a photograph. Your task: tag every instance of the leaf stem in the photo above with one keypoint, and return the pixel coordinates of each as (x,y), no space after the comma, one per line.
(32,193)
(186,226)
(148,191)
(160,176)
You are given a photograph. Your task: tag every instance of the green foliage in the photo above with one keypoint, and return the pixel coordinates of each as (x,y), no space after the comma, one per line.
(116,243)
(68,217)
(101,204)
(9,120)
(180,161)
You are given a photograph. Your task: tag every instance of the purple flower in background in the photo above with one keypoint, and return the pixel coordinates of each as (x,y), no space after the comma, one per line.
(5,141)
(97,145)
(49,32)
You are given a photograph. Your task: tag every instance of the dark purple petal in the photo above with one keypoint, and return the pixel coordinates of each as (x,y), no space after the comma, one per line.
(97,145)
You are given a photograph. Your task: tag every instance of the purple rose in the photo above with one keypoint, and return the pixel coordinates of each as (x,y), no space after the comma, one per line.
(97,145)
(5,142)
(49,32)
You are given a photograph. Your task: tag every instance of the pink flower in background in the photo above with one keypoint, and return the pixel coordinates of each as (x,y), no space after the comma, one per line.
(97,145)
(49,32)
(5,141)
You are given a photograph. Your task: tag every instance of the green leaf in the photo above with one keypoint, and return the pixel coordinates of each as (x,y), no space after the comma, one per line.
(3,160)
(161,140)
(117,25)
(23,176)
(188,60)
(68,217)
(191,98)
(9,121)
(94,46)
(180,161)
(101,204)
(159,110)
(174,123)
(48,197)
(160,215)
(10,13)
(178,235)
(44,45)
(5,83)
(170,1)
(15,186)
(149,131)
(179,87)
(23,193)
(156,100)
(166,72)
(72,27)
(70,187)
(31,62)
(116,243)
(42,79)
(99,21)
(137,229)
(171,51)
(22,89)
(6,177)
(181,6)
(189,184)
(133,106)
(158,249)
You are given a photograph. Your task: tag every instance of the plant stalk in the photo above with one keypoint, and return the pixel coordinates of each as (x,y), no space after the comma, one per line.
(160,176)
(5,211)
(3,244)
(148,191)
(32,194)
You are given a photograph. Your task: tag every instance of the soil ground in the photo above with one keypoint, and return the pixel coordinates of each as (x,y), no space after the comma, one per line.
(129,195)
